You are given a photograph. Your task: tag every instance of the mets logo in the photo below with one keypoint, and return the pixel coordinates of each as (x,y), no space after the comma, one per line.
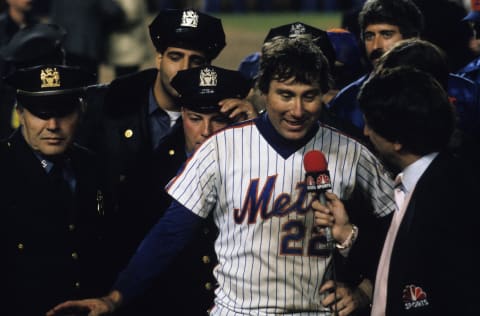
(414,297)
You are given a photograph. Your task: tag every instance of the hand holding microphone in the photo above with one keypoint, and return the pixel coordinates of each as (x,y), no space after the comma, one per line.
(329,211)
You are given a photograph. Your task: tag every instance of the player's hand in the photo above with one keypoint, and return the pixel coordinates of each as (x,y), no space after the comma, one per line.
(238,109)
(334,215)
(88,307)
(343,300)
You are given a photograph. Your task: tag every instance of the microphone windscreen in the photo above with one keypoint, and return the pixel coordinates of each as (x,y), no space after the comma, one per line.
(314,161)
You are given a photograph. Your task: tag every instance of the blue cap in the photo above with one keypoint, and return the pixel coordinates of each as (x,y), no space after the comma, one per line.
(347,50)
(250,66)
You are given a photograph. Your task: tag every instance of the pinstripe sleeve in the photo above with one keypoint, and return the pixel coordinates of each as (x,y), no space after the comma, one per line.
(375,182)
(194,187)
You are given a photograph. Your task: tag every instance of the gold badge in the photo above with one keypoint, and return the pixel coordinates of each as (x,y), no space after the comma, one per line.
(128,133)
(189,18)
(297,29)
(50,78)
(208,78)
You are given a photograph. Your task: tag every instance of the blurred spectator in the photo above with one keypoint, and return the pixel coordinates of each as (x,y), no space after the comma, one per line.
(443,26)
(86,24)
(128,45)
(17,15)
(472,69)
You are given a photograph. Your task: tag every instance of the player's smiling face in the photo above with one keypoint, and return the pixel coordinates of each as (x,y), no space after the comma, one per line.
(293,107)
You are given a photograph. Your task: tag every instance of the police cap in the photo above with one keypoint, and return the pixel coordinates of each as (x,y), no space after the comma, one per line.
(201,88)
(50,90)
(35,44)
(299,29)
(188,29)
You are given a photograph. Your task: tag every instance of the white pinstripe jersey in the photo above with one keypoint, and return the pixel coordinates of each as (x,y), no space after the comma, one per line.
(270,260)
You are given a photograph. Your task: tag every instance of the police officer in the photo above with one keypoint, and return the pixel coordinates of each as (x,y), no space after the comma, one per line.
(33,45)
(50,230)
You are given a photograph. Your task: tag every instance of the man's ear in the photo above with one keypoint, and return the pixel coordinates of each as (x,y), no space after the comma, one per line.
(19,111)
(158,60)
(397,146)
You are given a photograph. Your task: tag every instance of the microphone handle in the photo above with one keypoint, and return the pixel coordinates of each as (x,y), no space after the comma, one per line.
(328,229)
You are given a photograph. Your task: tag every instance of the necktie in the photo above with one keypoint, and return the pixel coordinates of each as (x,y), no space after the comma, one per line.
(380,293)
(60,184)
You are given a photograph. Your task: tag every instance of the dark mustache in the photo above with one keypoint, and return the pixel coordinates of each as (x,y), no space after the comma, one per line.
(376,54)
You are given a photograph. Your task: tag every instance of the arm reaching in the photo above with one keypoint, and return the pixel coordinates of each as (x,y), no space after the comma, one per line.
(238,109)
(152,257)
(92,306)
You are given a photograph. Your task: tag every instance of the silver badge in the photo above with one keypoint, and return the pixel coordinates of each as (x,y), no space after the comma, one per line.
(297,29)
(208,78)
(189,18)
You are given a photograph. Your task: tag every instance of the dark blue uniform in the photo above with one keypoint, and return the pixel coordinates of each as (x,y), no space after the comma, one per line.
(463,93)
(50,242)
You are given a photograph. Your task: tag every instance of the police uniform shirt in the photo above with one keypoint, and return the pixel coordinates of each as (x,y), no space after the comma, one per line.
(160,122)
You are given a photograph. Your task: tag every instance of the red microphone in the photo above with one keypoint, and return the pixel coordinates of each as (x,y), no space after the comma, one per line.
(317,179)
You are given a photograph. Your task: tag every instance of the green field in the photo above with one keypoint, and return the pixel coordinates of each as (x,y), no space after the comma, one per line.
(245,32)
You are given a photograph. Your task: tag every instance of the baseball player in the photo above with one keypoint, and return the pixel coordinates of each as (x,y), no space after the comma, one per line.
(250,175)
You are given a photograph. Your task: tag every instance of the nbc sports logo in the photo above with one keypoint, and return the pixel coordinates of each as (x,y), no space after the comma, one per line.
(414,297)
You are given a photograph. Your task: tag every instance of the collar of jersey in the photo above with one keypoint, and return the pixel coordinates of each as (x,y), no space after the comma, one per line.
(284,147)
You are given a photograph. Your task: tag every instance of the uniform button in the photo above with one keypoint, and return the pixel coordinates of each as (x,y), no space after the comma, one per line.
(206,259)
(71,227)
(77,284)
(74,255)
(208,286)
(9,144)
(171,152)
(122,178)
(20,246)
(128,133)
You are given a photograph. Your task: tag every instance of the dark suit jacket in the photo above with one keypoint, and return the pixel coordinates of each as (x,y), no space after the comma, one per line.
(432,271)
(50,252)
